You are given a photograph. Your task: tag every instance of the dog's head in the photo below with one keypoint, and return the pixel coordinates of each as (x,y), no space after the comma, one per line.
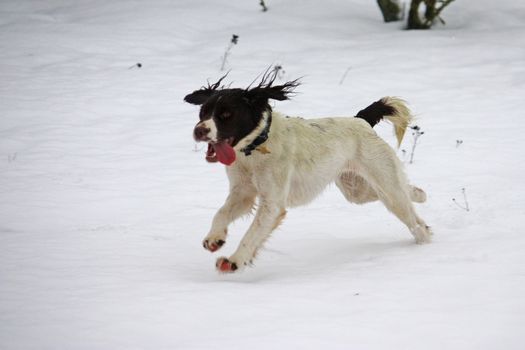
(228,115)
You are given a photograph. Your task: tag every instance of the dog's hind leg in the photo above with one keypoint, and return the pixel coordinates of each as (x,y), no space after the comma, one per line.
(357,190)
(417,194)
(383,171)
(240,202)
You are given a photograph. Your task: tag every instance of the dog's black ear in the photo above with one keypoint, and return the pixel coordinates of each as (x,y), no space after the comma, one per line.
(281,92)
(198,97)
(266,90)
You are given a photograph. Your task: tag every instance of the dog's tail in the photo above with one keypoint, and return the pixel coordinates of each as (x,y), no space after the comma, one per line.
(393,109)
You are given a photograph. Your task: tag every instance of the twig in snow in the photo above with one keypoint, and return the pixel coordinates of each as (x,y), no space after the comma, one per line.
(344,75)
(465,206)
(138,65)
(234,40)
(263,5)
(459,143)
(416,133)
(11,157)
(278,71)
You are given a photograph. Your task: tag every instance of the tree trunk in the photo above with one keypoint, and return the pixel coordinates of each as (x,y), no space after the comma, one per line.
(414,21)
(432,12)
(390,9)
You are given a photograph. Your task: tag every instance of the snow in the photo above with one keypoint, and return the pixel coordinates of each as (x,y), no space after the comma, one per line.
(104,200)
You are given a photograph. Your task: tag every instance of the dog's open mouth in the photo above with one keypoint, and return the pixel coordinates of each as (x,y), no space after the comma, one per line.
(221,151)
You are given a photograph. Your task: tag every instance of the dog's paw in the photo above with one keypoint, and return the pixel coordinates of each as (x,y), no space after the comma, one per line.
(225,266)
(417,195)
(422,234)
(213,244)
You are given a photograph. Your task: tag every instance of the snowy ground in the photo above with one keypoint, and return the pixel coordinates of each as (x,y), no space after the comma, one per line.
(104,202)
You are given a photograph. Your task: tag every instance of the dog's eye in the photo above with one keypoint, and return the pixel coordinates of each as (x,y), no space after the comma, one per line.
(225,115)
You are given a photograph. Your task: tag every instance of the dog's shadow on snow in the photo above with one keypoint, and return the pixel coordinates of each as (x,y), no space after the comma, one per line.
(309,259)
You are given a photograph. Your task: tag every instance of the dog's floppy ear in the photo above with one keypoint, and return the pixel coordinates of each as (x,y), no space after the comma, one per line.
(281,92)
(266,90)
(200,96)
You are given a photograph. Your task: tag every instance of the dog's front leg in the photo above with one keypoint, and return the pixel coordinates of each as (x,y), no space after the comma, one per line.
(240,201)
(269,215)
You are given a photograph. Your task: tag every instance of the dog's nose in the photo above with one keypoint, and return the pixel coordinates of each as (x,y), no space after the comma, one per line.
(200,133)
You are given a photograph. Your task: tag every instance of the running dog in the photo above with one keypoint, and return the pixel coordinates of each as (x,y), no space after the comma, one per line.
(284,162)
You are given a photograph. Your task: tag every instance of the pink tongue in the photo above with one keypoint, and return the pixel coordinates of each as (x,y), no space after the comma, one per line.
(225,153)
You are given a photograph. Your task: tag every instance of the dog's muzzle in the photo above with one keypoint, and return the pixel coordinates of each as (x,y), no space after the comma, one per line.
(200,133)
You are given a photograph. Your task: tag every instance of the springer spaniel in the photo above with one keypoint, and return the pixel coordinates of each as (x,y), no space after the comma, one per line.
(285,162)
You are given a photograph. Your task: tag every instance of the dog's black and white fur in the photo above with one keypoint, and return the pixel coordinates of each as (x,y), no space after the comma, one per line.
(283,162)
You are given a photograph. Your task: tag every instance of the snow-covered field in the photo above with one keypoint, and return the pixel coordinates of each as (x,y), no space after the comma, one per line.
(105,198)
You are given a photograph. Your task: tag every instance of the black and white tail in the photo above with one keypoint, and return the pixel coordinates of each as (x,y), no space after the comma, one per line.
(392,109)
